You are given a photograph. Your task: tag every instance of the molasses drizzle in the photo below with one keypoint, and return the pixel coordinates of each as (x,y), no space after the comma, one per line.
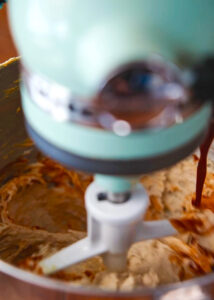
(202,165)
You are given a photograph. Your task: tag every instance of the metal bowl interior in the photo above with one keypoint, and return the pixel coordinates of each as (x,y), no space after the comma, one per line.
(16,284)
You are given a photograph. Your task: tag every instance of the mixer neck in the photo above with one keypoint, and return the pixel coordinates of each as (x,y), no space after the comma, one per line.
(115,189)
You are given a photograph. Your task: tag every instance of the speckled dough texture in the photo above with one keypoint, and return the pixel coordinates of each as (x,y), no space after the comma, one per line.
(42,210)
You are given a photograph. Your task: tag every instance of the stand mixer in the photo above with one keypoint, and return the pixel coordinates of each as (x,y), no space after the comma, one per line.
(107,89)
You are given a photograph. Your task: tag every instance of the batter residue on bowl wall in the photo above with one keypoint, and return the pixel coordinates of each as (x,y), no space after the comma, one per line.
(42,210)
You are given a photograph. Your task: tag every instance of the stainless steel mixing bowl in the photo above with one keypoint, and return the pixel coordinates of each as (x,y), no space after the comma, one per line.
(16,284)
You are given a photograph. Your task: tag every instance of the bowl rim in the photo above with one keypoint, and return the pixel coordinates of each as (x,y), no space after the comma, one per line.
(71,288)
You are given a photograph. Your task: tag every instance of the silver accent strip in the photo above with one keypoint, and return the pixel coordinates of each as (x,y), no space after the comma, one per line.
(55,99)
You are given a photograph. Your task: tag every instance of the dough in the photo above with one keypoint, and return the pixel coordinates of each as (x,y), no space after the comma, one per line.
(42,210)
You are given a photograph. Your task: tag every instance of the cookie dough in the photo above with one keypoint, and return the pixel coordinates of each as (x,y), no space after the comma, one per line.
(42,210)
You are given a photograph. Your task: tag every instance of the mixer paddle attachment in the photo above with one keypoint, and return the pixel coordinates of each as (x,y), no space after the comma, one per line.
(112,227)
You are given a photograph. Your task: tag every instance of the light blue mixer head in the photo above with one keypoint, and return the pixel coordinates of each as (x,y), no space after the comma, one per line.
(79,43)
(74,50)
